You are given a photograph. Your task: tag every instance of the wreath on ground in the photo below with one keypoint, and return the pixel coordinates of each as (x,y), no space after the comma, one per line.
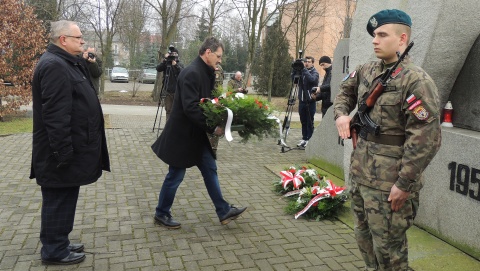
(310,194)
(252,117)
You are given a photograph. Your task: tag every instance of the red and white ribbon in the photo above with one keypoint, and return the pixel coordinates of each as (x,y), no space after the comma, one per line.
(296,179)
(228,125)
(328,192)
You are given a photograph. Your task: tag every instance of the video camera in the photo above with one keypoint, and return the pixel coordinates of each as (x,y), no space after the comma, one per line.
(297,67)
(91,55)
(171,57)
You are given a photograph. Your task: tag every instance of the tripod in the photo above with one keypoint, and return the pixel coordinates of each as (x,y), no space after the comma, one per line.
(288,113)
(161,100)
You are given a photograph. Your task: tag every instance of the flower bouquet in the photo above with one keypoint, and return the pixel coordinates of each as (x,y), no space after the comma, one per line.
(251,116)
(295,178)
(315,197)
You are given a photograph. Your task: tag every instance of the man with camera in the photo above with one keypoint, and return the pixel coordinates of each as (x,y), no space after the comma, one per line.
(323,93)
(94,66)
(307,79)
(171,68)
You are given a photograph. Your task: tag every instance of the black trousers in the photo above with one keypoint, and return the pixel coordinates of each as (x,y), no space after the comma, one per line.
(58,214)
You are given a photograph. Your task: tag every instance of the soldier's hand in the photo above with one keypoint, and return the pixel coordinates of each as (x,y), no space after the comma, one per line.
(343,126)
(397,198)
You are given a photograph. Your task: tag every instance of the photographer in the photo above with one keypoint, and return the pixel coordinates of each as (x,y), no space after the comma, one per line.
(307,79)
(236,83)
(94,66)
(170,67)
(323,93)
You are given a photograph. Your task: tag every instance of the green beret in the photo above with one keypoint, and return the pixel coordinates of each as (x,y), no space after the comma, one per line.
(388,16)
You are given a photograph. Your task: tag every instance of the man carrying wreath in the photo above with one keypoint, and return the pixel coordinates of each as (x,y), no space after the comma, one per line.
(184,142)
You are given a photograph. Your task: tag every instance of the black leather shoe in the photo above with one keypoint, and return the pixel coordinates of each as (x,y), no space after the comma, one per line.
(76,247)
(72,258)
(233,214)
(167,221)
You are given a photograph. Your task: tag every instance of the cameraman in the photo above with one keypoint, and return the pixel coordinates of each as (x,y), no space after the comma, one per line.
(94,66)
(170,67)
(308,79)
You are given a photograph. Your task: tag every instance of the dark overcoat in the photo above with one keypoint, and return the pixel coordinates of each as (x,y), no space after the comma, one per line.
(185,134)
(67,123)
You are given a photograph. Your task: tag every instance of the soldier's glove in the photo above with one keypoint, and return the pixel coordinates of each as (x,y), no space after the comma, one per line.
(64,158)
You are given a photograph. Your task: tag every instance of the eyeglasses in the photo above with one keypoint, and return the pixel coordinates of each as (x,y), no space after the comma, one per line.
(76,37)
(219,56)
(307,61)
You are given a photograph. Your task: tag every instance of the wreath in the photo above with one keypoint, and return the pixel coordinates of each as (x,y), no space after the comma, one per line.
(251,116)
(310,194)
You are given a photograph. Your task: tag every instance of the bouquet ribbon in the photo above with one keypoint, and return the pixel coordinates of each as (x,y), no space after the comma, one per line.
(228,125)
(296,179)
(329,192)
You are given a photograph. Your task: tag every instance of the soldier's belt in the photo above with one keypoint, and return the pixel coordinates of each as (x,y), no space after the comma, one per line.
(393,140)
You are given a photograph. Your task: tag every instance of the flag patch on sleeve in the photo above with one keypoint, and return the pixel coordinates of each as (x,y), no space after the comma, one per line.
(411,98)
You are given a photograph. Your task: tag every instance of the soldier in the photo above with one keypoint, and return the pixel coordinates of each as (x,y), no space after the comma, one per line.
(386,170)
(219,76)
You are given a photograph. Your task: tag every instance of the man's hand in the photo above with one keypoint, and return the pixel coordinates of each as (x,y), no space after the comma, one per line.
(343,126)
(218,131)
(397,198)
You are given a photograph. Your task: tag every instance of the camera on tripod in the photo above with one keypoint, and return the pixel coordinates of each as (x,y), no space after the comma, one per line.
(297,67)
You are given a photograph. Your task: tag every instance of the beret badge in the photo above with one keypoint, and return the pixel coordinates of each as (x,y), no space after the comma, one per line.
(373,22)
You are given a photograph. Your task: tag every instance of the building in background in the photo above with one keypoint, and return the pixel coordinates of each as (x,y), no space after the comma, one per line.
(321,23)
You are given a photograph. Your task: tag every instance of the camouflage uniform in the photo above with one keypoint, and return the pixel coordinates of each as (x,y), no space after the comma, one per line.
(218,83)
(408,114)
(219,76)
(234,84)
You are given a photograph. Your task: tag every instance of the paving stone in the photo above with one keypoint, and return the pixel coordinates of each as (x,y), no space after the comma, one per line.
(115,215)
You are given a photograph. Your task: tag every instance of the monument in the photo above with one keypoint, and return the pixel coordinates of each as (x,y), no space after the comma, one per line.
(446,46)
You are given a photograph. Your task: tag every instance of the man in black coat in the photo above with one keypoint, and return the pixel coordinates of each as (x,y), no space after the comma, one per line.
(184,142)
(324,93)
(69,144)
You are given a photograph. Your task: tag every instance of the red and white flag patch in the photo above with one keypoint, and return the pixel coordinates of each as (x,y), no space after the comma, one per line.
(411,98)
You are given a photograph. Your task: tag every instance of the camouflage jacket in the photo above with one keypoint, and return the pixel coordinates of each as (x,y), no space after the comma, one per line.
(219,76)
(408,108)
(235,84)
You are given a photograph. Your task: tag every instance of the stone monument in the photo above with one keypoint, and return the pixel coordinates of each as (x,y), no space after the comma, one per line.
(445,33)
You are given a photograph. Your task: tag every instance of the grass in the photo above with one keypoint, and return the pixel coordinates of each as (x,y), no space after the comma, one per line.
(15,125)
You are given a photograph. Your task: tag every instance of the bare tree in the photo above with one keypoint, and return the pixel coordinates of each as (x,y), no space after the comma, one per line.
(254,18)
(170,13)
(18,53)
(131,24)
(304,18)
(350,7)
(215,10)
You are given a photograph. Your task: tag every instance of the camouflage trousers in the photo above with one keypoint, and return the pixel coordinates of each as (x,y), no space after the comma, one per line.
(213,142)
(380,232)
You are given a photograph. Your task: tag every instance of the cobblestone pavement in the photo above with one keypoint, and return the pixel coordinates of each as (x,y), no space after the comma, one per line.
(114,216)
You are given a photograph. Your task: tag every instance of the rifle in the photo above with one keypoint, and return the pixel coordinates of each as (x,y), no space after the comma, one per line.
(361,123)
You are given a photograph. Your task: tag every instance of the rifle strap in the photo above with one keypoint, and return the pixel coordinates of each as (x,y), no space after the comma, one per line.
(393,140)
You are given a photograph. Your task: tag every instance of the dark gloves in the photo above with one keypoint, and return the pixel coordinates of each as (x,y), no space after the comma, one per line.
(64,158)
